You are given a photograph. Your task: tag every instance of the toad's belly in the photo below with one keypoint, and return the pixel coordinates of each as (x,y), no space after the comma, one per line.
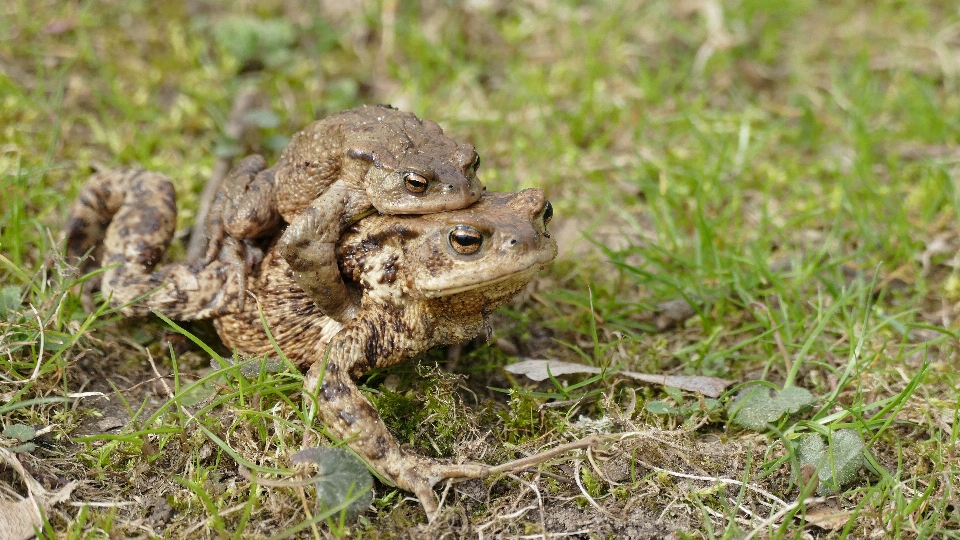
(294,321)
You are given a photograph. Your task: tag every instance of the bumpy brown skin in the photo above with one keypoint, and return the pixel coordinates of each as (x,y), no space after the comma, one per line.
(334,172)
(125,219)
(418,291)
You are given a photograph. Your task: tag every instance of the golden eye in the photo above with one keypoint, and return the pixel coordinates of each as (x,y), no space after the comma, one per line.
(547,213)
(414,182)
(465,240)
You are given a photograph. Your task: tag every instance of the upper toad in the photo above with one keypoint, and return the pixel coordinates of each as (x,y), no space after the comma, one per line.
(331,174)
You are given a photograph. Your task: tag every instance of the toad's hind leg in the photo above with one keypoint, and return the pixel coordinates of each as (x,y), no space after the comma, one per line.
(134,213)
(97,205)
(244,209)
(349,416)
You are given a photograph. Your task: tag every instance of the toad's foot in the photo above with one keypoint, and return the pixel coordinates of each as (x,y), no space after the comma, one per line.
(241,256)
(419,475)
(243,209)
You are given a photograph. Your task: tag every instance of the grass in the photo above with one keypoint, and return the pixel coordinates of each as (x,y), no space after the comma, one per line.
(790,172)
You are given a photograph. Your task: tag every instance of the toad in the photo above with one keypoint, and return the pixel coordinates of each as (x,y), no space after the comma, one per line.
(423,281)
(373,158)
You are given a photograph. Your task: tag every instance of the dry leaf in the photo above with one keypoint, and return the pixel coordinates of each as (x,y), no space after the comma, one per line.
(19,518)
(827,517)
(537,370)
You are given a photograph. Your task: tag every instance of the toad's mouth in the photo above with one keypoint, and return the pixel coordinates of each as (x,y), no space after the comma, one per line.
(521,277)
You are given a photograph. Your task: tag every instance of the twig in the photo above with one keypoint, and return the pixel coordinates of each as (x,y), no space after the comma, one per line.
(306,510)
(556,477)
(443,496)
(161,378)
(196,527)
(597,469)
(490,523)
(234,129)
(586,495)
(667,508)
(522,463)
(170,393)
(532,486)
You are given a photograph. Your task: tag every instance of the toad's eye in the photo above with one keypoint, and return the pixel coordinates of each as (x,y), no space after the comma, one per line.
(476,161)
(547,213)
(414,182)
(465,240)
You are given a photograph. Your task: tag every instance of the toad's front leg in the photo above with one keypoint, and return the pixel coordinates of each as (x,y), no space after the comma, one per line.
(349,416)
(309,247)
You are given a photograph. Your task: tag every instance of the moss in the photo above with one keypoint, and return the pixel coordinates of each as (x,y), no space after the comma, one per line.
(426,411)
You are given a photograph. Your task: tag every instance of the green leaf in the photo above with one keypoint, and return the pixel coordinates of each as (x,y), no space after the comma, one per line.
(757,407)
(20,432)
(55,341)
(675,393)
(24,448)
(660,407)
(9,300)
(794,399)
(250,38)
(342,477)
(837,462)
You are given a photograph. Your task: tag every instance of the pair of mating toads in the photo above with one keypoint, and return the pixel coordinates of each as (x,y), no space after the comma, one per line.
(369,242)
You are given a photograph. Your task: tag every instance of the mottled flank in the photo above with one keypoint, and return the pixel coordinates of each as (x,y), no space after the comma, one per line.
(334,172)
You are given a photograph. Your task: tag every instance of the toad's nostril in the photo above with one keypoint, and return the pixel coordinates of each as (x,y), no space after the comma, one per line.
(513,242)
